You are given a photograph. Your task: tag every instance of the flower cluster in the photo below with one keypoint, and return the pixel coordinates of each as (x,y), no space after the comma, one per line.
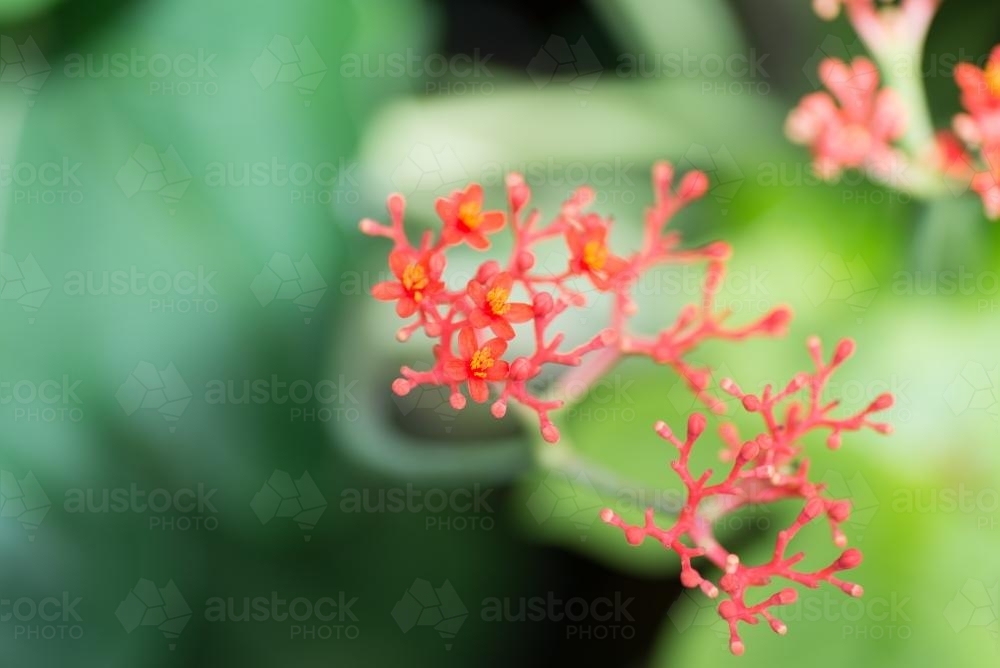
(766,469)
(474,325)
(886,131)
(979,126)
(855,127)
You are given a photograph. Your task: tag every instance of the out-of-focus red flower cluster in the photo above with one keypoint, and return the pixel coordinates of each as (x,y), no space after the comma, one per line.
(855,127)
(979,126)
(858,125)
(474,324)
(766,469)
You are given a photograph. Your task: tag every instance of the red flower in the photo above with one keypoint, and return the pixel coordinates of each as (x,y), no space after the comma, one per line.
(419,279)
(477,365)
(855,127)
(981,99)
(493,308)
(987,183)
(588,246)
(465,220)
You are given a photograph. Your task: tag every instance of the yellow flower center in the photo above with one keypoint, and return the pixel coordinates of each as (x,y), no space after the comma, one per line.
(470,214)
(497,299)
(415,280)
(595,254)
(992,78)
(482,361)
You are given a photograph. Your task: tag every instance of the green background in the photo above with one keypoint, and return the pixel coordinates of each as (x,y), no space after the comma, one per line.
(324,145)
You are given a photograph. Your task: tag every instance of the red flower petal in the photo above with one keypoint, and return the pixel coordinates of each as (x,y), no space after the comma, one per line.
(399,261)
(477,291)
(473,193)
(478,389)
(504,281)
(456,369)
(497,347)
(492,221)
(520,313)
(467,343)
(387,291)
(477,240)
(502,328)
(480,319)
(406,307)
(498,371)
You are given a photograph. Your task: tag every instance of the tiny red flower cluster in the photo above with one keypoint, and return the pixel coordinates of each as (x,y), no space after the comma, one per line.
(979,126)
(860,125)
(766,469)
(474,324)
(855,127)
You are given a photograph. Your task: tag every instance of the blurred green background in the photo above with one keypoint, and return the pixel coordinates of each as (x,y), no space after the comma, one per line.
(194,385)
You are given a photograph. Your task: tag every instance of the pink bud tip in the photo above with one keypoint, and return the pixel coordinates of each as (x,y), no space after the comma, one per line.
(542,303)
(855,590)
(826,9)
(525,260)
(749,451)
(751,403)
(403,335)
(727,609)
(833,441)
(844,350)
(696,425)
(396,204)
(607,515)
(609,337)
(882,402)
(690,578)
(487,270)
(727,385)
(815,345)
(663,175)
(662,429)
(787,596)
(812,510)
(849,559)
(839,511)
(737,648)
(499,409)
(693,185)
(778,627)
(401,387)
(732,563)
(521,369)
(550,433)
(457,401)
(777,322)
(369,226)
(719,250)
(700,380)
(634,535)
